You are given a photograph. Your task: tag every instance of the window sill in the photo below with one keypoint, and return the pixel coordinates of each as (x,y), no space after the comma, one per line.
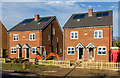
(102,54)
(15,40)
(70,54)
(98,38)
(73,38)
(13,53)
(32,40)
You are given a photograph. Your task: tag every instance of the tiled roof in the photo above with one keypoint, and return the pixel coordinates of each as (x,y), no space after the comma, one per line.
(83,20)
(30,24)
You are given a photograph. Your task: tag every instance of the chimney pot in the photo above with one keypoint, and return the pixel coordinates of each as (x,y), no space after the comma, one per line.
(36,17)
(90,12)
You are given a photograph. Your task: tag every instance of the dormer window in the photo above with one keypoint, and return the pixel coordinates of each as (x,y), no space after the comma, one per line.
(99,18)
(39,23)
(23,24)
(78,20)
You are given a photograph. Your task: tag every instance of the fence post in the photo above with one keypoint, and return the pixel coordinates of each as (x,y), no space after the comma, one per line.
(101,65)
(4,60)
(23,65)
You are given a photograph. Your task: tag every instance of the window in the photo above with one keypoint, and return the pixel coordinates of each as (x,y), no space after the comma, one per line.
(32,36)
(78,20)
(60,50)
(70,50)
(13,50)
(99,18)
(57,39)
(34,50)
(102,50)
(98,34)
(53,31)
(48,37)
(15,37)
(74,35)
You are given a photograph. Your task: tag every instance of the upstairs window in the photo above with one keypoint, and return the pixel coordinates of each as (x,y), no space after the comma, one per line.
(98,34)
(34,50)
(53,31)
(15,37)
(102,50)
(32,36)
(60,50)
(70,50)
(74,35)
(48,37)
(57,39)
(13,50)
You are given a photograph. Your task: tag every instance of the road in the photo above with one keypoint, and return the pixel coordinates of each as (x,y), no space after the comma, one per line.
(76,73)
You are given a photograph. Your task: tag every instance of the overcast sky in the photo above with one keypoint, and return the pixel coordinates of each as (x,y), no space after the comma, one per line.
(15,12)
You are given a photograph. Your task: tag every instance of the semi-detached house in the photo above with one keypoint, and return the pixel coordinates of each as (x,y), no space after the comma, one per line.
(35,35)
(88,36)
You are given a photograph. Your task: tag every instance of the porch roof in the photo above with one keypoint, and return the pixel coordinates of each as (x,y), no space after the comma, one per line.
(90,45)
(18,46)
(80,45)
(26,46)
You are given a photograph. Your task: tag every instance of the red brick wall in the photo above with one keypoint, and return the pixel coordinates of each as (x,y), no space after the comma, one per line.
(85,40)
(58,33)
(3,38)
(41,39)
(24,39)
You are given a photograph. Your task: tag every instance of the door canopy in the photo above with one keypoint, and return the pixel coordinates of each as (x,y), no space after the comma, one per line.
(90,45)
(26,46)
(80,45)
(18,46)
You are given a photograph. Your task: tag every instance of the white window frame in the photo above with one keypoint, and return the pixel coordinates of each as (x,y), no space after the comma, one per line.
(32,37)
(14,49)
(36,49)
(16,37)
(73,34)
(71,50)
(98,33)
(102,50)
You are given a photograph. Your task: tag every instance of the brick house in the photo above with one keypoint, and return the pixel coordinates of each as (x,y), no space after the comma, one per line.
(35,35)
(88,36)
(3,40)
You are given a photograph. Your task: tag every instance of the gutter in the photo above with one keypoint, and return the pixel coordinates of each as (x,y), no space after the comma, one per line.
(109,44)
(64,44)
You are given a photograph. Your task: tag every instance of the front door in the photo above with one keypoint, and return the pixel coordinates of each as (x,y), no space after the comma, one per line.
(80,53)
(27,52)
(91,54)
(20,52)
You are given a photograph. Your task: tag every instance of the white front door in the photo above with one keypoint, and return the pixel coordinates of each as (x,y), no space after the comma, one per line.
(91,54)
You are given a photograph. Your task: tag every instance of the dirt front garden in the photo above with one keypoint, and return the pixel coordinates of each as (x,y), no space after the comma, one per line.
(58,71)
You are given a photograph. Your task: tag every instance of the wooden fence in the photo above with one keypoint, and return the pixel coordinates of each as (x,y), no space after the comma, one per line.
(55,62)
(100,65)
(2,60)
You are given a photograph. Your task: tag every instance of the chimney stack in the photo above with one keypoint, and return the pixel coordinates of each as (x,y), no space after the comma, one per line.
(90,12)
(36,17)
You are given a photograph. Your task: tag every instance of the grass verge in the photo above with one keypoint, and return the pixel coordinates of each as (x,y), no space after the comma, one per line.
(31,67)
